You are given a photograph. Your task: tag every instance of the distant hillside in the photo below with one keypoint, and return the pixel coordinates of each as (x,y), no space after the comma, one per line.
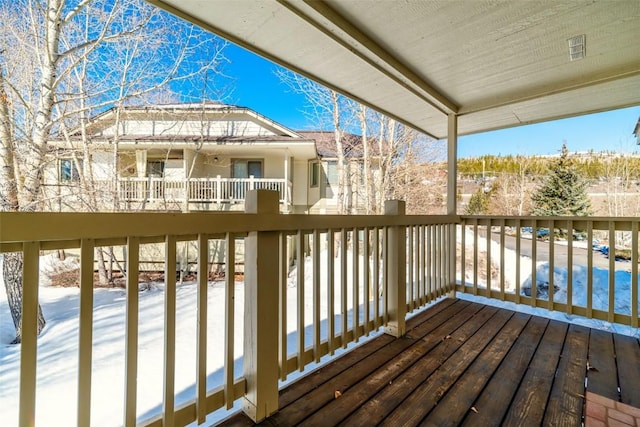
(594,166)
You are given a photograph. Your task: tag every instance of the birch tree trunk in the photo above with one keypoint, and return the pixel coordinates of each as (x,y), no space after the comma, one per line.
(8,184)
(343,180)
(47,70)
(11,262)
(12,270)
(369,194)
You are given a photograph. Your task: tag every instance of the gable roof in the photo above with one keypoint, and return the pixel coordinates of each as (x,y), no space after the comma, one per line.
(225,129)
(205,112)
(494,64)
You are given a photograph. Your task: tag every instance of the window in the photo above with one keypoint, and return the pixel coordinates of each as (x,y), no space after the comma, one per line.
(332,172)
(314,174)
(68,170)
(155,169)
(246,168)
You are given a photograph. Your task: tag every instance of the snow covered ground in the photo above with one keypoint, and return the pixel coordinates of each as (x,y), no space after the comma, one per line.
(58,353)
(622,290)
(58,346)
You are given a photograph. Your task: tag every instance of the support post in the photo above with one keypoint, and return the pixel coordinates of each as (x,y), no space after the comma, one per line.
(219,198)
(261,311)
(452,202)
(285,190)
(396,271)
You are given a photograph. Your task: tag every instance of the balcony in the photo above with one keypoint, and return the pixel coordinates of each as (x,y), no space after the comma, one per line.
(365,279)
(196,190)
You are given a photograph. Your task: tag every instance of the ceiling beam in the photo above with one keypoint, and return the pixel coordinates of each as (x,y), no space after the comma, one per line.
(162,4)
(403,75)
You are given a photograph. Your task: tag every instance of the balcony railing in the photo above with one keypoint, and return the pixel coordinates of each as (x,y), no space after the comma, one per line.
(544,250)
(197,190)
(362,274)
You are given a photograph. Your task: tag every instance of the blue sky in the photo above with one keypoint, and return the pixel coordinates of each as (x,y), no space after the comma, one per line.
(256,86)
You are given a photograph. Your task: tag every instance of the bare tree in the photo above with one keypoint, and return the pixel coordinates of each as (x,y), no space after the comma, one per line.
(414,171)
(511,193)
(66,61)
(391,154)
(618,184)
(328,110)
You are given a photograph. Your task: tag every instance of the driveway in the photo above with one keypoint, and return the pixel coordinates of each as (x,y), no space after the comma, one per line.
(560,252)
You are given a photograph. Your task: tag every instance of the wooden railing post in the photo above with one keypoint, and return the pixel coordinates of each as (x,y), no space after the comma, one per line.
(396,271)
(261,311)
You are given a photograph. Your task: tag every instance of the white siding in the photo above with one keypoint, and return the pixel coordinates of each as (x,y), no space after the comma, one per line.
(300,182)
(103,168)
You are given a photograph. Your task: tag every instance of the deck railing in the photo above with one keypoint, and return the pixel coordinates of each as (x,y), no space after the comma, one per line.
(348,279)
(197,190)
(522,259)
(350,276)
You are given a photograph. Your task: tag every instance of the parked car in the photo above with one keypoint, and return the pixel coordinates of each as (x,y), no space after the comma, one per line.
(579,235)
(542,232)
(596,245)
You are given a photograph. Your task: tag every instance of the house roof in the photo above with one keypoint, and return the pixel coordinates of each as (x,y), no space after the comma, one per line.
(326,144)
(495,64)
(214,127)
(203,111)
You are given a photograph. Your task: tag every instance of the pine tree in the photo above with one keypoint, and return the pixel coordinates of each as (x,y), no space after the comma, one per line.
(563,192)
(478,203)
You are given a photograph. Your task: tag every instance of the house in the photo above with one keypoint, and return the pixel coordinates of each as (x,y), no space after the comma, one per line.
(202,157)
(328,182)
(186,157)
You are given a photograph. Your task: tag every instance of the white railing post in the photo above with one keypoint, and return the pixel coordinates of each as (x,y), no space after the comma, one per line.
(219,197)
(261,311)
(396,271)
(185,189)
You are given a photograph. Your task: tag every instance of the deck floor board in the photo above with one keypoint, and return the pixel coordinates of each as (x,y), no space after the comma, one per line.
(493,401)
(455,405)
(427,395)
(463,363)
(395,392)
(601,375)
(439,325)
(531,398)
(567,395)
(628,348)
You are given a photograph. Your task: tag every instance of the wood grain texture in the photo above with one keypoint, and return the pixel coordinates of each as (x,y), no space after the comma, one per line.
(463,363)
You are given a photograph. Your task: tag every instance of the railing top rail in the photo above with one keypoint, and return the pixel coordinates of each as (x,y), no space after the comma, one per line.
(578,222)
(553,218)
(46,226)
(210,178)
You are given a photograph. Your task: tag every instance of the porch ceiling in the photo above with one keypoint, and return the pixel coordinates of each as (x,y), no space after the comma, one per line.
(496,64)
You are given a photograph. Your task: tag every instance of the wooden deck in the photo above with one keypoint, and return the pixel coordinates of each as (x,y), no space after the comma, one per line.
(464,363)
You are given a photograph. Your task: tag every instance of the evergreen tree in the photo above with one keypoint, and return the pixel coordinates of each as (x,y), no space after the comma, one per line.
(563,192)
(478,203)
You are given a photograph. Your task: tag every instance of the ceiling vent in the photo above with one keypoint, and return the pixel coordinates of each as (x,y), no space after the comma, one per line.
(577,47)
